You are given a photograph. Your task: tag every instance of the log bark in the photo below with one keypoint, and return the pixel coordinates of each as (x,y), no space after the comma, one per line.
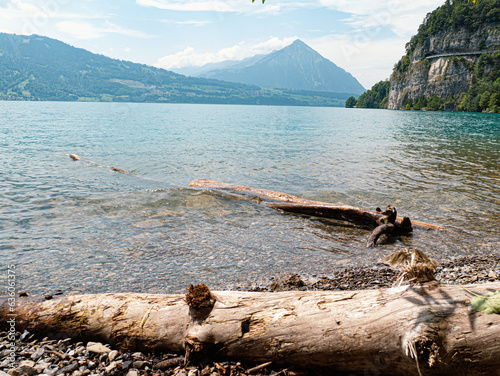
(386,331)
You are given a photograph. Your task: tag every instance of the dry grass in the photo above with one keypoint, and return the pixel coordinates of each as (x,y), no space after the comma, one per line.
(415,266)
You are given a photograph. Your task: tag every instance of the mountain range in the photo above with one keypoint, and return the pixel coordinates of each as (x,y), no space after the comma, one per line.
(40,68)
(296,66)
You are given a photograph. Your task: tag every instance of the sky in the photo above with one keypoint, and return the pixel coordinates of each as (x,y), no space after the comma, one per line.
(364,37)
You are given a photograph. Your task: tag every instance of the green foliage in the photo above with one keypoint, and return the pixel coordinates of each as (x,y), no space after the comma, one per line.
(434,103)
(488,304)
(450,103)
(419,104)
(460,14)
(350,102)
(376,97)
(484,93)
(402,65)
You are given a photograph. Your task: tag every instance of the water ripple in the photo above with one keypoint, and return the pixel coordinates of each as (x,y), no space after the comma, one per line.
(80,227)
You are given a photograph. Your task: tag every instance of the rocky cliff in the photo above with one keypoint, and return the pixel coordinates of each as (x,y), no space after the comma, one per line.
(443,61)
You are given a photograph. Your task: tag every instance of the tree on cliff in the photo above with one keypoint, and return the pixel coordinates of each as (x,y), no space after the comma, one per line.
(484,93)
(376,97)
(476,22)
(350,102)
(456,15)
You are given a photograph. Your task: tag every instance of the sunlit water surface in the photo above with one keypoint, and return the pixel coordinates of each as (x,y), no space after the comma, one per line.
(79,227)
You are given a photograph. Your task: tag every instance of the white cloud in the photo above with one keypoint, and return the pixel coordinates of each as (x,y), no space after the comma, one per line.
(223,6)
(187,22)
(24,7)
(402,16)
(117,29)
(38,17)
(85,30)
(48,9)
(367,51)
(363,59)
(80,30)
(192,23)
(189,57)
(204,5)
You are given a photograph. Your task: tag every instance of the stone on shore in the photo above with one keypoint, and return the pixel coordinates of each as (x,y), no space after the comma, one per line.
(97,348)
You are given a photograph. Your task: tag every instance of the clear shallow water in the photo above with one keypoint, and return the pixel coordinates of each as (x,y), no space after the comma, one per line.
(78,227)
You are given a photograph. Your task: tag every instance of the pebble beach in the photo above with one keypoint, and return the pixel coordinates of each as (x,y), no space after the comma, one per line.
(51,357)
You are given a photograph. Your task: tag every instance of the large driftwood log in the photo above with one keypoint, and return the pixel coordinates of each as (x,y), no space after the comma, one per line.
(386,222)
(381,222)
(428,329)
(310,207)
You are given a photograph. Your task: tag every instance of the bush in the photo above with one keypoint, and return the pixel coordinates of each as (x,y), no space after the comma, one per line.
(376,97)
(350,102)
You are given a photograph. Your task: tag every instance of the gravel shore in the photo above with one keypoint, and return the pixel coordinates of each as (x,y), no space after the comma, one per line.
(35,356)
(463,270)
(66,357)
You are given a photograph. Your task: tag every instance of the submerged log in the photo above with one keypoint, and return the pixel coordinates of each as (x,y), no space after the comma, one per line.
(428,329)
(311,207)
(263,194)
(386,222)
(380,222)
(272,196)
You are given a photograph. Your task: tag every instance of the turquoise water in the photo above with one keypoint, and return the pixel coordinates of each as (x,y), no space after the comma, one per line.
(79,227)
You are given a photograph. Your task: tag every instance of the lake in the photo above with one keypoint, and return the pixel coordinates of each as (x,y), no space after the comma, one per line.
(79,227)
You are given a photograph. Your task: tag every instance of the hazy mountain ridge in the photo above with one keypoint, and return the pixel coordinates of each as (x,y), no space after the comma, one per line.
(226,64)
(296,66)
(41,68)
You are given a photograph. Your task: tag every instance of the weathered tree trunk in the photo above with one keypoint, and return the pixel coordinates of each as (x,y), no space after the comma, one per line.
(316,208)
(263,194)
(387,331)
(380,222)
(386,222)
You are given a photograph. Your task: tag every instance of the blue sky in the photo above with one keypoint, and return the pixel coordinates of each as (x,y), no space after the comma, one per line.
(365,37)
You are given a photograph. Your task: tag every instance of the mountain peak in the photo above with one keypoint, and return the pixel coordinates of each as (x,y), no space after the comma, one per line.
(298,42)
(298,45)
(296,66)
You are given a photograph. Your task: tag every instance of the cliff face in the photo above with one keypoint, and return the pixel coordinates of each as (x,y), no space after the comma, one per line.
(422,72)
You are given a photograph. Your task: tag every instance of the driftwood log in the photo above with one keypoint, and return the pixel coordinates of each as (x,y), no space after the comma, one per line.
(427,329)
(381,222)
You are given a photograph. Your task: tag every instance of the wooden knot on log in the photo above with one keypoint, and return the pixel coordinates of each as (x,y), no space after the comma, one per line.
(423,344)
(200,301)
(387,224)
(200,348)
(389,215)
(200,343)
(196,351)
